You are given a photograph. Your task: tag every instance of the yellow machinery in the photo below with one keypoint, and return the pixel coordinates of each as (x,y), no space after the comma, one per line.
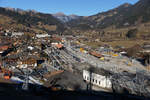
(115,55)
(81,49)
(102,58)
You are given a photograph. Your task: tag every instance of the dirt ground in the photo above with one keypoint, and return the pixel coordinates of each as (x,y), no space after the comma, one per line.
(125,43)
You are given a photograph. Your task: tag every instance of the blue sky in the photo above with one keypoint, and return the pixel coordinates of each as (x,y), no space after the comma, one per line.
(79,7)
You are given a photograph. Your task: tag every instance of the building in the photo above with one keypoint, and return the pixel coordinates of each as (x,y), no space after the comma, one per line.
(9,62)
(29,62)
(3,48)
(146,48)
(57,45)
(42,35)
(17,34)
(93,53)
(97,79)
(56,39)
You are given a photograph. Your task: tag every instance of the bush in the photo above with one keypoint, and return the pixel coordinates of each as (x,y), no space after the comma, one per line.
(132,52)
(132,33)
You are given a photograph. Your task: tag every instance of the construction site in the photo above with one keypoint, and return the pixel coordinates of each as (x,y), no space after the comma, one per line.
(59,63)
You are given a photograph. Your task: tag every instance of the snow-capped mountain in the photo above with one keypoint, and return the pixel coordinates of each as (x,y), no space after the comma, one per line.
(64,18)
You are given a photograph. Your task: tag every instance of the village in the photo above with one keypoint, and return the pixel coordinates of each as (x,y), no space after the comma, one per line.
(63,62)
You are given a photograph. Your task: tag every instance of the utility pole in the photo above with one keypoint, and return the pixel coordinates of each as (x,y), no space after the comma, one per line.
(25,85)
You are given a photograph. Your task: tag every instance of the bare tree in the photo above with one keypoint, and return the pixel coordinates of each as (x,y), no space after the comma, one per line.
(91,70)
(132,52)
(146,59)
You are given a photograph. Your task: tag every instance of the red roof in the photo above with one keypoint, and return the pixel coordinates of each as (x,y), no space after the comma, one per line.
(4,47)
(96,54)
(57,39)
(59,46)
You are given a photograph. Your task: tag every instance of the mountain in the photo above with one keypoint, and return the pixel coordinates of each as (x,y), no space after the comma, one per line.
(116,22)
(104,19)
(122,16)
(64,18)
(29,21)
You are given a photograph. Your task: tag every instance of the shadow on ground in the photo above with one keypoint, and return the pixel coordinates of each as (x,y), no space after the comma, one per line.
(14,92)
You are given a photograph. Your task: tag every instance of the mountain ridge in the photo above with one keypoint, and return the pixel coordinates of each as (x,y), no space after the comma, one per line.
(65,18)
(29,21)
(114,23)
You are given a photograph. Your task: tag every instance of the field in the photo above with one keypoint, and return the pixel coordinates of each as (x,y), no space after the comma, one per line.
(124,43)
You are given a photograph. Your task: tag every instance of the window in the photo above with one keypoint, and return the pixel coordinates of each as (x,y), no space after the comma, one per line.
(96,81)
(87,78)
(99,82)
(93,80)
